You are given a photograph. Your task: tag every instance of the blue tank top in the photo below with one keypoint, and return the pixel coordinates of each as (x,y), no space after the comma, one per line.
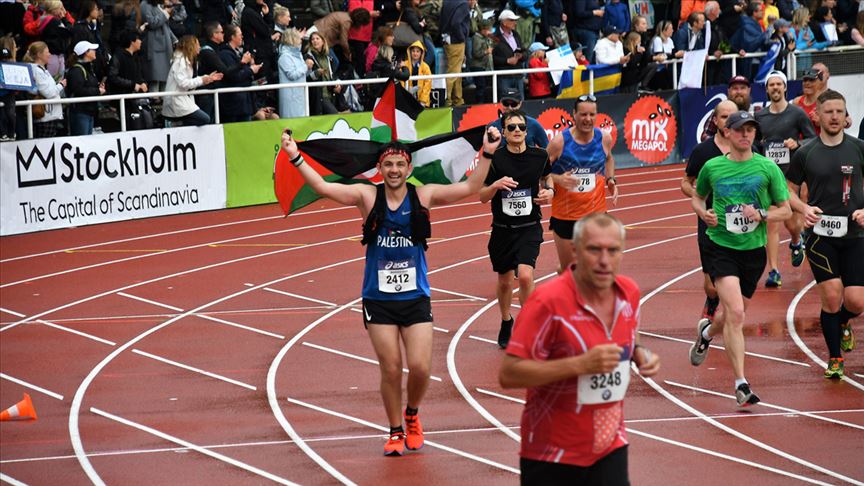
(582,156)
(395,268)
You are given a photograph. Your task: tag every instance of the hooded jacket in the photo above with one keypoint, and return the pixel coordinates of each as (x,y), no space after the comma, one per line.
(424,86)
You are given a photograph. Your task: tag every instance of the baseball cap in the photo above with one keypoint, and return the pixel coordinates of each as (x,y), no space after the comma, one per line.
(780,23)
(776,74)
(739,79)
(511,94)
(812,75)
(537,46)
(610,29)
(576,47)
(82,47)
(739,119)
(507,15)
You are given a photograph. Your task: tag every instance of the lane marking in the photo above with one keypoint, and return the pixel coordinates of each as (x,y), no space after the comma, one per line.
(717,346)
(74,331)
(254,245)
(790,326)
(356,357)
(193,369)
(765,404)
(385,430)
(500,395)
(16,314)
(440,329)
(239,326)
(482,339)
(297,296)
(148,301)
(457,294)
(678,179)
(189,445)
(31,386)
(9,479)
(117,251)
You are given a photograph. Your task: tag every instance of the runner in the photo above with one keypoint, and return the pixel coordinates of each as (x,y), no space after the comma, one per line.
(511,100)
(396,293)
(784,128)
(513,186)
(572,349)
(743,184)
(834,215)
(702,153)
(582,169)
(814,82)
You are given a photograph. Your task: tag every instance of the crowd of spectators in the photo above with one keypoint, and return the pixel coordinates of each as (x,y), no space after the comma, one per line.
(147,47)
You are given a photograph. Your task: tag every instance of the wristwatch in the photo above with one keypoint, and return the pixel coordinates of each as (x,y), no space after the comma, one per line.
(611,179)
(763,214)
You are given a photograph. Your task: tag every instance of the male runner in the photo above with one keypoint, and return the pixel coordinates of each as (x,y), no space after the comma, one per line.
(511,100)
(748,191)
(572,349)
(396,291)
(832,165)
(702,153)
(582,169)
(513,186)
(784,128)
(814,82)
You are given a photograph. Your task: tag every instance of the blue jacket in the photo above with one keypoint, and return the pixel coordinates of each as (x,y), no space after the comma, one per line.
(455,20)
(749,36)
(681,38)
(580,15)
(617,14)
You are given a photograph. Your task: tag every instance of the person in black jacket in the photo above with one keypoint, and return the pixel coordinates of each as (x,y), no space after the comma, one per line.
(584,19)
(258,34)
(640,69)
(236,107)
(81,81)
(209,61)
(504,56)
(455,25)
(88,28)
(125,74)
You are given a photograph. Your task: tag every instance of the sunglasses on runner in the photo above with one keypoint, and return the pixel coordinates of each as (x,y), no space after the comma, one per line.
(513,126)
(590,98)
(510,103)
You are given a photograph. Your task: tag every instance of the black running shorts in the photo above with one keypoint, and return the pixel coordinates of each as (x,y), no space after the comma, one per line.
(511,247)
(397,312)
(704,251)
(747,265)
(562,227)
(608,471)
(831,258)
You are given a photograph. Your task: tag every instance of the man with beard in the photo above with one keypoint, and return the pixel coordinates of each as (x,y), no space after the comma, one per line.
(784,128)
(514,187)
(832,165)
(739,92)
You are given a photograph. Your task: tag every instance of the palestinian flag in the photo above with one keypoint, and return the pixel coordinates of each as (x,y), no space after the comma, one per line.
(442,159)
(395,114)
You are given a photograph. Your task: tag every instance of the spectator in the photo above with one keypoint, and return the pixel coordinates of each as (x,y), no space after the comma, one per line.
(858,31)
(430,11)
(49,124)
(258,36)
(322,8)
(178,17)
(786,40)
(476,14)
(610,49)
(360,36)
(292,69)
(455,24)
(584,21)
(578,53)
(385,65)
(209,61)
(335,27)
(730,15)
(125,74)
(236,107)
(553,24)
(158,43)
(662,49)
(481,61)
(322,65)
(8,51)
(822,24)
(57,33)
(88,28)
(182,78)
(749,38)
(281,20)
(383,36)
(716,69)
(81,82)
(421,89)
(640,26)
(410,16)
(126,15)
(770,10)
(804,37)
(787,8)
(639,69)
(389,12)
(529,17)
(508,54)
(511,101)
(691,35)
(37,17)
(617,13)
(688,7)
(539,84)
(218,11)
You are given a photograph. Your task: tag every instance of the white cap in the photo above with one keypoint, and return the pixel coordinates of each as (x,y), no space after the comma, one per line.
(776,74)
(82,47)
(507,15)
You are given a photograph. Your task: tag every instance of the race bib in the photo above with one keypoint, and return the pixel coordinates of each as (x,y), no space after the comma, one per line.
(778,152)
(736,222)
(397,276)
(516,202)
(605,387)
(832,226)
(584,182)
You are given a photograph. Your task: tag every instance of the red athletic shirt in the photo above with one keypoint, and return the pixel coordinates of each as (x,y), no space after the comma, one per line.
(555,323)
(809,109)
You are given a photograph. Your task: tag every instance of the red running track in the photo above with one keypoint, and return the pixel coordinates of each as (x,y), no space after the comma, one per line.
(227,348)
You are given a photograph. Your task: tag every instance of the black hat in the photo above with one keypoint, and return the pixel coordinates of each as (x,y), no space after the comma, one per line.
(511,94)
(812,75)
(741,118)
(610,29)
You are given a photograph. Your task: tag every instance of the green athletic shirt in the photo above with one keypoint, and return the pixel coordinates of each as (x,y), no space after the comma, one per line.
(757,181)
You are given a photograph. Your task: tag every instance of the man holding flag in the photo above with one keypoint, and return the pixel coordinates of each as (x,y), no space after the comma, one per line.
(396,292)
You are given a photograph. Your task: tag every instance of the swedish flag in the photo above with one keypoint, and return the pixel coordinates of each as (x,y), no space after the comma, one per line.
(606,80)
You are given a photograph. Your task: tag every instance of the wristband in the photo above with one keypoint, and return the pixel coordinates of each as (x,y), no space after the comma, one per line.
(298,160)
(611,179)
(487,155)
(763,214)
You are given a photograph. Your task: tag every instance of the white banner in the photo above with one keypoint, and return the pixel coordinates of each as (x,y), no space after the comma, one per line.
(75,181)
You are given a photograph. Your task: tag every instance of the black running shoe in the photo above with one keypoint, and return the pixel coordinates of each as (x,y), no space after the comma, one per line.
(504,333)
(745,396)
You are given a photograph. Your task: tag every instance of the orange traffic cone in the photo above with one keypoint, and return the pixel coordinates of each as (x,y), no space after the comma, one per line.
(22,410)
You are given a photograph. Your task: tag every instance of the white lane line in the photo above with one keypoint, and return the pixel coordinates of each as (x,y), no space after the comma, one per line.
(298,296)
(440,329)
(31,386)
(193,369)
(500,395)
(665,218)
(239,326)
(9,479)
(677,179)
(790,325)
(457,294)
(16,314)
(354,356)
(766,405)
(430,443)
(725,456)
(148,301)
(717,346)
(482,339)
(189,445)
(859,375)
(75,331)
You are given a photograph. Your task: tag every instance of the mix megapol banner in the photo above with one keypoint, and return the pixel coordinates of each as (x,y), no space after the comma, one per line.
(645,130)
(74,181)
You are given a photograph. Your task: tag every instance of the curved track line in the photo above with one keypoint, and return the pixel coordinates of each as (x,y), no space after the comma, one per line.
(790,325)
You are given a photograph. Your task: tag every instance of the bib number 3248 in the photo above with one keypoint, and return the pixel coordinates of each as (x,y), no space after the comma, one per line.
(605,387)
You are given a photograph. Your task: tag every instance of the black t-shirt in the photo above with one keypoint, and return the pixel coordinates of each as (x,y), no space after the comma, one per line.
(701,154)
(833,176)
(511,208)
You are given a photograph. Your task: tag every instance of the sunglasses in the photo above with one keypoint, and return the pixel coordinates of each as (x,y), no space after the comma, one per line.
(590,98)
(513,126)
(510,103)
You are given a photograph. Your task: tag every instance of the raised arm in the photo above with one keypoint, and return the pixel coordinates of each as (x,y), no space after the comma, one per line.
(611,183)
(437,194)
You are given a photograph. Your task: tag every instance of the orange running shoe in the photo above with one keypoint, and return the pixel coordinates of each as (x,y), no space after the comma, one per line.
(414,436)
(395,446)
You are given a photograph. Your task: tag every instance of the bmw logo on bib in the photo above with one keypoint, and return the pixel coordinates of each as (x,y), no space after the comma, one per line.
(744,229)
(607,395)
(398,288)
(830,232)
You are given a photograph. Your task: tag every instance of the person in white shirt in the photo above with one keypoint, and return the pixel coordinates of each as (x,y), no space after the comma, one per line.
(180,78)
(609,49)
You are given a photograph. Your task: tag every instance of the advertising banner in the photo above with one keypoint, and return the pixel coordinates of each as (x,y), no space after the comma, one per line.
(644,129)
(75,181)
